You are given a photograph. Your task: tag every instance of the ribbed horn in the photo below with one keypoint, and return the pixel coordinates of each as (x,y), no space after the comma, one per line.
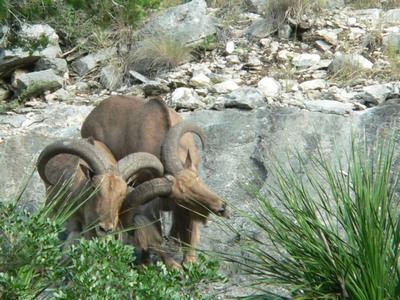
(170,148)
(132,163)
(81,148)
(147,191)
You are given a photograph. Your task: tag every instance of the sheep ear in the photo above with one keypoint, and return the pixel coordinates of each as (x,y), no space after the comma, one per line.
(87,171)
(189,162)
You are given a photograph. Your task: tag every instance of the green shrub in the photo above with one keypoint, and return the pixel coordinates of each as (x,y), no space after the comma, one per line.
(30,252)
(64,15)
(35,263)
(331,232)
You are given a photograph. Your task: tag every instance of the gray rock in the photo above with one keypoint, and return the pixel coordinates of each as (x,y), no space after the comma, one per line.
(200,80)
(58,65)
(218,78)
(27,136)
(284,31)
(335,3)
(315,84)
(392,16)
(85,64)
(253,63)
(139,76)
(224,87)
(154,88)
(82,86)
(260,29)
(187,23)
(10,61)
(328,35)
(329,107)
(110,78)
(4,31)
(185,98)
(376,94)
(229,47)
(306,60)
(35,83)
(233,59)
(32,33)
(59,95)
(341,61)
(269,87)
(392,40)
(244,98)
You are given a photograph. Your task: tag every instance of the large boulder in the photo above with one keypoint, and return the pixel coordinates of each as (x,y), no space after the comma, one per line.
(186,24)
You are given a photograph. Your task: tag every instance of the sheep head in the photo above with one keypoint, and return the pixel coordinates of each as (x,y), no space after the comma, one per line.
(181,182)
(101,180)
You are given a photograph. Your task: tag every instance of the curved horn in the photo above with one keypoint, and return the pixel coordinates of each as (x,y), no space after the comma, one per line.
(170,148)
(131,164)
(147,191)
(81,148)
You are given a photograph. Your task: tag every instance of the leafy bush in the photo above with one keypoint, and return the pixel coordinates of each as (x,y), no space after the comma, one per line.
(30,252)
(64,15)
(34,263)
(336,233)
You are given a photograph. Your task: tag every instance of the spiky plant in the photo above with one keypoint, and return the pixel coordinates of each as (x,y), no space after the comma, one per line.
(331,233)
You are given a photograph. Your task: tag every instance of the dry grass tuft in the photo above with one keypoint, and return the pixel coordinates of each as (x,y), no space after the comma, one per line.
(385,4)
(158,54)
(393,57)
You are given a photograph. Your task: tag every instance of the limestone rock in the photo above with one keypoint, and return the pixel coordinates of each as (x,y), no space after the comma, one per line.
(187,23)
(84,64)
(58,65)
(306,60)
(269,87)
(224,87)
(244,98)
(315,84)
(35,83)
(376,94)
(185,98)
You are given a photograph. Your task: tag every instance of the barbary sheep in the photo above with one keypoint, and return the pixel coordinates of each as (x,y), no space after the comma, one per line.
(131,124)
(85,176)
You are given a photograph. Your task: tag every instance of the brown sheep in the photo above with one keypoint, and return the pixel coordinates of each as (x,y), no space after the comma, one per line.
(86,176)
(129,125)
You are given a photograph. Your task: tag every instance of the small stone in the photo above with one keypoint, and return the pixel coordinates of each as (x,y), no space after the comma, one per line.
(284,31)
(315,84)
(224,87)
(269,87)
(230,47)
(306,60)
(200,80)
(376,94)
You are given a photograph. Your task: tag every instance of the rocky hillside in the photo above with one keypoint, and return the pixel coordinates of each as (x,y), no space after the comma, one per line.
(258,90)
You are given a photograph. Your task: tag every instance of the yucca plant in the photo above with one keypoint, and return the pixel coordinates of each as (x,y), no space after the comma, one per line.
(330,233)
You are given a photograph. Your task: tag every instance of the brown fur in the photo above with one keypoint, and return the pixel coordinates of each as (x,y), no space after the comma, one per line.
(130,124)
(96,214)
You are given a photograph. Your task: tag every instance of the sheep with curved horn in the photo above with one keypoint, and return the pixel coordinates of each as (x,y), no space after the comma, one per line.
(131,124)
(95,183)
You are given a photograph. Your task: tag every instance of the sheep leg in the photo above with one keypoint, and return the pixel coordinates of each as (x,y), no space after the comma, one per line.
(190,240)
